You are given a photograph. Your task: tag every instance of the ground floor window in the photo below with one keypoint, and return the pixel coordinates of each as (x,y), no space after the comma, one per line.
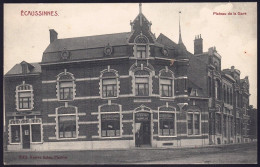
(67,126)
(36,132)
(167,124)
(193,123)
(218,123)
(15,134)
(110,125)
(34,129)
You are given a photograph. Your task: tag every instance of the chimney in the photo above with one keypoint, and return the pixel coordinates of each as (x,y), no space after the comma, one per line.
(232,68)
(198,45)
(53,35)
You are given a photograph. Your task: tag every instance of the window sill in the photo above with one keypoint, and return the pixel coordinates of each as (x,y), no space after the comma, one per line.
(65,100)
(118,137)
(194,135)
(15,143)
(36,142)
(166,136)
(67,138)
(107,98)
(20,110)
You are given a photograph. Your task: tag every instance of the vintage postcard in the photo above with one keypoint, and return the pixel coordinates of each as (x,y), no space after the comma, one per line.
(130,83)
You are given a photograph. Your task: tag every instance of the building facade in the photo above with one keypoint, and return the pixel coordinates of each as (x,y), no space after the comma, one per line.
(124,90)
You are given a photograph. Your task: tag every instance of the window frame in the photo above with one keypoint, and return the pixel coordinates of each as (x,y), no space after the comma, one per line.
(114,87)
(174,121)
(30,98)
(141,44)
(146,85)
(59,136)
(100,113)
(30,123)
(193,113)
(73,87)
(114,123)
(169,85)
(101,78)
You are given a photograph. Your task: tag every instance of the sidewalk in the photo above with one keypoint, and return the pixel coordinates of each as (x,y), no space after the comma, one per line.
(131,156)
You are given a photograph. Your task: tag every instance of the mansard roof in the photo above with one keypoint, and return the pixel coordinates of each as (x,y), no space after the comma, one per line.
(88,42)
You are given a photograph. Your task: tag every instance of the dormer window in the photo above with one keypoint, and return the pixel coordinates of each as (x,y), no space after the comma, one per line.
(24,97)
(141,52)
(66,86)
(141,47)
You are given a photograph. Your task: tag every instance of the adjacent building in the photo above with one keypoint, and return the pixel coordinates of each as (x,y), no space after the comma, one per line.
(122,90)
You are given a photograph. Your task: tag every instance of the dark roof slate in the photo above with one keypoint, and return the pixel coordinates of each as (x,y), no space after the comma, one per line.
(17,69)
(87,42)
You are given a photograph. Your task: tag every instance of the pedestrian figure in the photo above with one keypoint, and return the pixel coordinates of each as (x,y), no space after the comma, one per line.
(138,139)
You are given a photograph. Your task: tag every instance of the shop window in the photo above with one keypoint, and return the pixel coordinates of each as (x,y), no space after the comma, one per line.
(15,134)
(109,87)
(193,123)
(67,126)
(110,125)
(24,94)
(66,87)
(167,124)
(36,132)
(142,86)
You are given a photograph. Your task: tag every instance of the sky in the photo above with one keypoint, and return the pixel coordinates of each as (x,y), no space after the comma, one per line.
(234,36)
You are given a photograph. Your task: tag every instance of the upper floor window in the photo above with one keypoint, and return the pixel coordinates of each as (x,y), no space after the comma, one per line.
(141,47)
(109,87)
(66,86)
(24,97)
(166,83)
(209,86)
(109,83)
(141,86)
(217,89)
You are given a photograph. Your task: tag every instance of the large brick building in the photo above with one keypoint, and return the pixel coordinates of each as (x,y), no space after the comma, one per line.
(121,90)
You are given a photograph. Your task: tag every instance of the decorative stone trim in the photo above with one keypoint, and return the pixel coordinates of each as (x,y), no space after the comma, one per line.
(71,80)
(17,91)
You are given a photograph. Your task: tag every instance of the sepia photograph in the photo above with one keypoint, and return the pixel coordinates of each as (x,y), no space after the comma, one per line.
(130,83)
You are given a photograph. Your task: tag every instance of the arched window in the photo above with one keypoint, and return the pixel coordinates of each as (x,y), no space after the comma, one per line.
(166,80)
(109,82)
(141,78)
(66,86)
(24,97)
(141,47)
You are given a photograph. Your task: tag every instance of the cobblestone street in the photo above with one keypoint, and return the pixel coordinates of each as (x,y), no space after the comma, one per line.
(225,154)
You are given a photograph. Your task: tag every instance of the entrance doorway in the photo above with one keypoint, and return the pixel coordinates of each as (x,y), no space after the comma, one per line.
(26,136)
(142,129)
